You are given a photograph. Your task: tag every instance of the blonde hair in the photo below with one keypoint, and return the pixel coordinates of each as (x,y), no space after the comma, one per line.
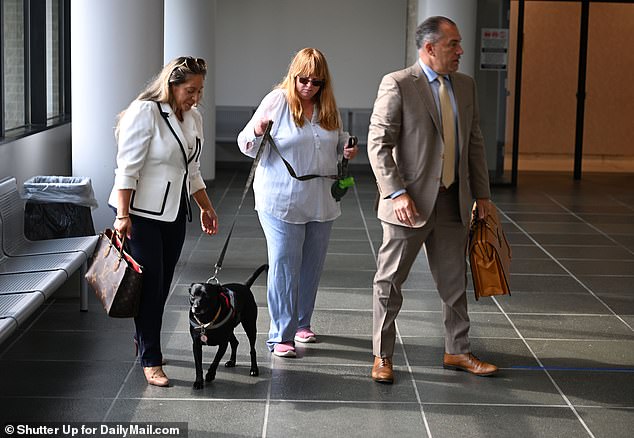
(175,72)
(311,62)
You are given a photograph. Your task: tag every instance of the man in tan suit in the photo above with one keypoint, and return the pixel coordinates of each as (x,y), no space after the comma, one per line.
(428,157)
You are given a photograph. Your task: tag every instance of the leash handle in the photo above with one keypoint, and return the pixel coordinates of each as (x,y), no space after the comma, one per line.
(265,138)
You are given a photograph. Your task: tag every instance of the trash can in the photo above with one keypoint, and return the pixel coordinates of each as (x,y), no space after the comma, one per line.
(58,206)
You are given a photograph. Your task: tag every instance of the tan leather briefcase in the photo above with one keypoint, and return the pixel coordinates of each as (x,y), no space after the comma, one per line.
(489,255)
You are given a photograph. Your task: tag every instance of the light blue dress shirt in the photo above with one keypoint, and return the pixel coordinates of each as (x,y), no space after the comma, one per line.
(434,83)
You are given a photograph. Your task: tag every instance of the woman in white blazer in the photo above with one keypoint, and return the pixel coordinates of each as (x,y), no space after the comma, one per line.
(159,138)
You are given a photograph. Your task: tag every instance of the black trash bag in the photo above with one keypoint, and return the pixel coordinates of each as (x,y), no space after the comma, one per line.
(54,220)
(58,206)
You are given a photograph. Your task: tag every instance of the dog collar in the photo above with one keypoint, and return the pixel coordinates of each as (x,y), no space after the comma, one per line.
(231,301)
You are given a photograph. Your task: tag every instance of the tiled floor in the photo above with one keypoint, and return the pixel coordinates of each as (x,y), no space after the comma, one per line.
(564,340)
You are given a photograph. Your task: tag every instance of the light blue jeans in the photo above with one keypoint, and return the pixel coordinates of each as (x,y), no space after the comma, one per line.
(296,255)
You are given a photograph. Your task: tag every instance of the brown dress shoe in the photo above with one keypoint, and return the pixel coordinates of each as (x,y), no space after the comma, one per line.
(382,370)
(468,362)
(155,376)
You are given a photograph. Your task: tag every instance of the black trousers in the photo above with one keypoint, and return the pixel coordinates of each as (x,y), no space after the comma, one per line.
(157,246)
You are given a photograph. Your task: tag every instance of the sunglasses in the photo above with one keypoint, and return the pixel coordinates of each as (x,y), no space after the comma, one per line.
(193,64)
(315,82)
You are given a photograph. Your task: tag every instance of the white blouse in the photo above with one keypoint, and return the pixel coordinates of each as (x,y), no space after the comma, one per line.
(309,150)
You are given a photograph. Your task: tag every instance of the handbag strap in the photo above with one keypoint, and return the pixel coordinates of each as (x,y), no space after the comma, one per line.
(218,265)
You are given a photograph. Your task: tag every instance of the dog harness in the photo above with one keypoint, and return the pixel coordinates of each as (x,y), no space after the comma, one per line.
(230,301)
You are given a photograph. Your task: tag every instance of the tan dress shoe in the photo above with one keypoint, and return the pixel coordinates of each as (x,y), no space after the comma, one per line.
(468,362)
(382,370)
(155,376)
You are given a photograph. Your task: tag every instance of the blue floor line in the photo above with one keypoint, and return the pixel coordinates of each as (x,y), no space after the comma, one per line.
(538,368)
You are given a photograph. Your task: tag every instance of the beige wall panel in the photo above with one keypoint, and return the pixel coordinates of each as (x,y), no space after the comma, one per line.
(609,115)
(549,77)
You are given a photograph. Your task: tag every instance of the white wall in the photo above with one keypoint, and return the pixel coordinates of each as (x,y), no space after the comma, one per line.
(117,46)
(256,40)
(45,153)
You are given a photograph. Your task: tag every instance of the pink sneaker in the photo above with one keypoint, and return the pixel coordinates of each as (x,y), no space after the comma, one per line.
(305,335)
(284,349)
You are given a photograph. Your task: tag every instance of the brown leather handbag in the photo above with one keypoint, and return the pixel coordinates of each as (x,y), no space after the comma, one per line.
(115,276)
(489,255)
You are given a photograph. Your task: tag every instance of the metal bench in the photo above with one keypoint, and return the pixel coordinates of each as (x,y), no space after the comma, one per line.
(30,271)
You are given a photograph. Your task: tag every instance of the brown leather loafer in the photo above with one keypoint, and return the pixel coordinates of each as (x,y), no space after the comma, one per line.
(382,370)
(155,376)
(468,362)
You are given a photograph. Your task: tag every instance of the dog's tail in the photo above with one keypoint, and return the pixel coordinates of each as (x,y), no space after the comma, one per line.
(255,275)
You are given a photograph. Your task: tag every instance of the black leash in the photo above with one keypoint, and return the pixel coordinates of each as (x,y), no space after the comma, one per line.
(290,169)
(265,138)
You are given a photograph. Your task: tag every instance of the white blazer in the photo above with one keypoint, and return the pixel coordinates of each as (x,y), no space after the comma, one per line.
(152,163)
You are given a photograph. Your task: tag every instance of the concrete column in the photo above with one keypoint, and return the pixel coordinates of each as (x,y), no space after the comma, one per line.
(464,14)
(117,47)
(190,31)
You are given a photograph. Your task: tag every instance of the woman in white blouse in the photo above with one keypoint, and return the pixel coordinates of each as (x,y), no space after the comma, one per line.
(159,139)
(296,216)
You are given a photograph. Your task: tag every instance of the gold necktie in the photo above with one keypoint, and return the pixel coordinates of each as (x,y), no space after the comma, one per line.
(448,134)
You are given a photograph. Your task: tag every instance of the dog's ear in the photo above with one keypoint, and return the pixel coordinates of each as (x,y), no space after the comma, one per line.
(194,287)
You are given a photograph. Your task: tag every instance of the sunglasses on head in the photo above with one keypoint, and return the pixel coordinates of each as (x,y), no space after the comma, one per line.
(315,82)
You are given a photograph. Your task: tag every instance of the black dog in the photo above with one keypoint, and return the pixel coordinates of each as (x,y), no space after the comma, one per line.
(215,311)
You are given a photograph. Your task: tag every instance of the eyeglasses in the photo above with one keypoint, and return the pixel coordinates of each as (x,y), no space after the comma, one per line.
(315,82)
(191,63)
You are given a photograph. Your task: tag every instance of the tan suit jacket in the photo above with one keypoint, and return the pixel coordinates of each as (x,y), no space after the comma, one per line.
(405,143)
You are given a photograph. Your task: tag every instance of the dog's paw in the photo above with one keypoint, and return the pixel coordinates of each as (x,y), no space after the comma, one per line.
(198,384)
(254,372)
(230,364)
(210,377)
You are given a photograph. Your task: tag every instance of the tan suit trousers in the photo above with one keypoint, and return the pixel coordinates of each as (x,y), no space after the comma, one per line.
(445,239)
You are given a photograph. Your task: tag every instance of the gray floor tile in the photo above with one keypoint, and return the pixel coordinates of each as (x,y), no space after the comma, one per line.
(545,283)
(620,303)
(342,322)
(16,408)
(336,350)
(326,383)
(450,421)
(355,419)
(78,346)
(429,324)
(601,327)
(348,262)
(575,228)
(504,353)
(600,267)
(610,252)
(585,355)
(530,266)
(62,379)
(608,422)
(350,278)
(571,239)
(429,300)
(596,388)
(609,285)
(205,418)
(529,252)
(541,302)
(437,385)
(542,217)
(344,298)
